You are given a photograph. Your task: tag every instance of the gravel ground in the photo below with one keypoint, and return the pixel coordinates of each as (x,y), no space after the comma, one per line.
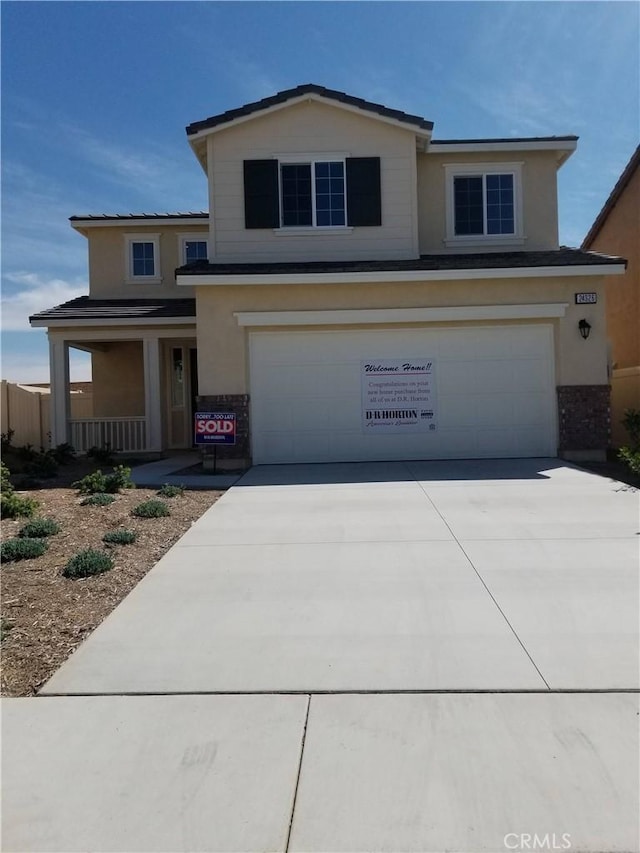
(45,616)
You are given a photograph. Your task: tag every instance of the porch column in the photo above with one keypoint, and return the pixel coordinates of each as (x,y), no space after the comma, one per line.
(152,404)
(59,384)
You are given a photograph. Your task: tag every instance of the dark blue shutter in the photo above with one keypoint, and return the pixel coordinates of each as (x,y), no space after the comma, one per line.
(363,191)
(261,206)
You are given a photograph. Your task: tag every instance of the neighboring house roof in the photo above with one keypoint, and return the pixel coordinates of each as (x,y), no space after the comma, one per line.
(610,203)
(299,91)
(563,257)
(101,311)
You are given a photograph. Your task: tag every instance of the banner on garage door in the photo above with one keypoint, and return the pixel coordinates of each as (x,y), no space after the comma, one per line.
(398,395)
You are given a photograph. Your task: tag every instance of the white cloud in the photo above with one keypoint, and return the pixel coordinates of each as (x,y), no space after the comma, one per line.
(35,293)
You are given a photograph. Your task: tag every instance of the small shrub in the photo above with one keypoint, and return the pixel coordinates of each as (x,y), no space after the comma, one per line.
(5,627)
(86,563)
(169,491)
(99,499)
(40,528)
(102,454)
(27,452)
(15,506)
(631,457)
(151,509)
(42,466)
(11,504)
(63,453)
(5,482)
(22,549)
(97,482)
(120,479)
(120,537)
(6,439)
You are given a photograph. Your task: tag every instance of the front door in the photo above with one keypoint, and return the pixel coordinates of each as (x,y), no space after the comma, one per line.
(182,386)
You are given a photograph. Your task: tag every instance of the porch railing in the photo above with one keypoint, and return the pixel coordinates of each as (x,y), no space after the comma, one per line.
(125,434)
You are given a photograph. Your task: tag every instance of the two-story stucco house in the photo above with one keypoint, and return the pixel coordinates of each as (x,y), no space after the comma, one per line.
(617,229)
(358,291)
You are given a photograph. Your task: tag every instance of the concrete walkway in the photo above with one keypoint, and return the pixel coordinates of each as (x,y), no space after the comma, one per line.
(476,624)
(171,470)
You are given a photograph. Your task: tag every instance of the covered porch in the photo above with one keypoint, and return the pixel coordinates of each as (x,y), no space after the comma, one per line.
(144,373)
(143,391)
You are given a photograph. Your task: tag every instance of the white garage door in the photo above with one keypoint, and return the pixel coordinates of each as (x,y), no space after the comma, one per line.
(491,394)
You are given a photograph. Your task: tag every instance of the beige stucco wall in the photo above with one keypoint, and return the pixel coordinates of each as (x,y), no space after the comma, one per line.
(222,344)
(539,195)
(108,270)
(620,235)
(312,128)
(118,380)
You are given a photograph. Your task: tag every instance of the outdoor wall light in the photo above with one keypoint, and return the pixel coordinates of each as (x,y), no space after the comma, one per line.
(585,328)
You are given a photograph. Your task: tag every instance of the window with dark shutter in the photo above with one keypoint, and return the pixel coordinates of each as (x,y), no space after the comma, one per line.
(363,191)
(261,206)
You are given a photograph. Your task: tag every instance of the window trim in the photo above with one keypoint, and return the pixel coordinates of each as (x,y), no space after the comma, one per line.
(141,237)
(455,170)
(311,160)
(195,237)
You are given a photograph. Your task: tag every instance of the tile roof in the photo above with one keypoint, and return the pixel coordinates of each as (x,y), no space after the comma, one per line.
(111,217)
(610,203)
(85,308)
(563,257)
(305,89)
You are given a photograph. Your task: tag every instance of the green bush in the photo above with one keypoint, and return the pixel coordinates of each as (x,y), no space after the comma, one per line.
(151,509)
(43,466)
(5,627)
(169,491)
(120,537)
(40,528)
(86,563)
(11,504)
(99,499)
(22,549)
(63,453)
(102,454)
(631,457)
(97,482)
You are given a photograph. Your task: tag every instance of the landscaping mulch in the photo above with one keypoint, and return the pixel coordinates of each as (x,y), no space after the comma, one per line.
(46,616)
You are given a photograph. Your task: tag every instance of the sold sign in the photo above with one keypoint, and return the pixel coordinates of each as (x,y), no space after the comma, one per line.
(215,428)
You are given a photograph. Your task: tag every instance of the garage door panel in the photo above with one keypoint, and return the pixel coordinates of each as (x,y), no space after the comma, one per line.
(494,393)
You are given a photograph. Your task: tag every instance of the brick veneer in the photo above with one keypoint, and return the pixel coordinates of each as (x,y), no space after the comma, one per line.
(584,416)
(240,452)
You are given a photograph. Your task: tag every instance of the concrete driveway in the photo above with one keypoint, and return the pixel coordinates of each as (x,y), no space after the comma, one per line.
(497,575)
(476,624)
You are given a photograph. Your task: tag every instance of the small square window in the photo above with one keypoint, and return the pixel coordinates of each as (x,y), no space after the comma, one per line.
(195,250)
(484,204)
(142,258)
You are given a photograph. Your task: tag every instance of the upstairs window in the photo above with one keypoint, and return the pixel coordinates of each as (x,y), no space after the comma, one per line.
(143,258)
(193,247)
(484,203)
(311,194)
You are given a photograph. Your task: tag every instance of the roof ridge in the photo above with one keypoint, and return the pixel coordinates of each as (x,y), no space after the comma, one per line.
(304,89)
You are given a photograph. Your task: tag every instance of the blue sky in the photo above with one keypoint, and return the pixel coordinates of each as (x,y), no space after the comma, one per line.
(96,96)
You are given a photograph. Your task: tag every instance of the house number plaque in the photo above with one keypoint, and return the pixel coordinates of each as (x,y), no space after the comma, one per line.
(586,298)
